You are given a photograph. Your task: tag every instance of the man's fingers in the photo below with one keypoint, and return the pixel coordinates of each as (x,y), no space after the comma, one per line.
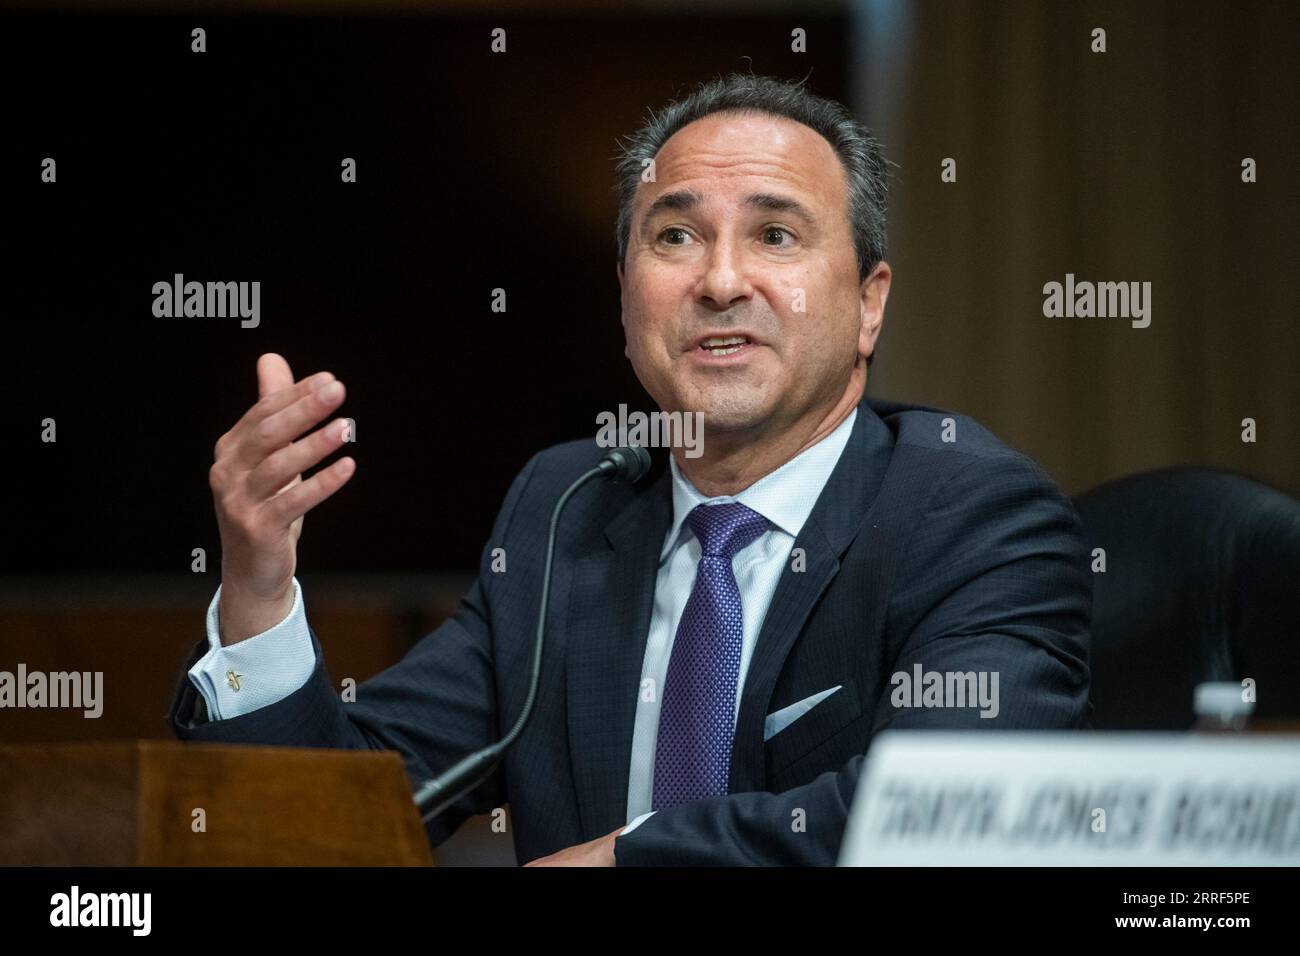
(276,432)
(279,469)
(289,505)
(273,374)
(283,398)
(271,405)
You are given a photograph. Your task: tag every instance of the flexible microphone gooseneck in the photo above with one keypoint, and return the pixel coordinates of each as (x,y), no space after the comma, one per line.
(628,464)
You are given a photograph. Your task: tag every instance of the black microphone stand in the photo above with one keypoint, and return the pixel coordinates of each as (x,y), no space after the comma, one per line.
(435,795)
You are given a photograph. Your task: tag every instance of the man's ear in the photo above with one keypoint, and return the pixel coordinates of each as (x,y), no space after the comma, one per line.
(874,292)
(618,267)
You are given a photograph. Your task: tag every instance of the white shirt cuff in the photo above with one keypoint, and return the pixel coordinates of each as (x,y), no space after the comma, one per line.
(258,671)
(637,822)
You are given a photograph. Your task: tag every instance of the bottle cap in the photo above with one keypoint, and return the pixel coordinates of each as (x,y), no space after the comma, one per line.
(1220,698)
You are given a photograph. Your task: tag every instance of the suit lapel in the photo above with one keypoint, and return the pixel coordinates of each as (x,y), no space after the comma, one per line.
(611,600)
(830,529)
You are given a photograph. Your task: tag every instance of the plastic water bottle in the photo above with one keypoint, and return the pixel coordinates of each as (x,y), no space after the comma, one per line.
(1221,708)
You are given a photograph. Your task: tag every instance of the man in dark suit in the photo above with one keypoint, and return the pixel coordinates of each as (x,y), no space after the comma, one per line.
(723,642)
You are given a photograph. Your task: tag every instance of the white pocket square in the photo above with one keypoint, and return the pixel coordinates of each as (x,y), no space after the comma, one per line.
(777,721)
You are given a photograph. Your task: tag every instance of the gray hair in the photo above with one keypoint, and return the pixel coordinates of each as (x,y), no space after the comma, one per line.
(859,152)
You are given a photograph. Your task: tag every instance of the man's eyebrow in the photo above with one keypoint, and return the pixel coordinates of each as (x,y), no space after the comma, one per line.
(679,201)
(684,199)
(774,203)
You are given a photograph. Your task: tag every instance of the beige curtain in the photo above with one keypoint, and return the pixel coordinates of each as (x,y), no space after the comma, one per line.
(1116,166)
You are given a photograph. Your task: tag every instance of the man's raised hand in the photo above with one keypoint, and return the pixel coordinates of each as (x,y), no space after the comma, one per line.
(260,495)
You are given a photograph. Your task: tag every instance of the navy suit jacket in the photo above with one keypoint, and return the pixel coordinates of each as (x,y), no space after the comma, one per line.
(957,555)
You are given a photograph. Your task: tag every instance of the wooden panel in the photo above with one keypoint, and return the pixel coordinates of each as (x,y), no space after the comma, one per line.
(138,633)
(276,806)
(73,805)
(119,803)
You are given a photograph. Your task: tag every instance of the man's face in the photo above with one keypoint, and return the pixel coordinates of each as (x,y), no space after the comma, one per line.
(740,287)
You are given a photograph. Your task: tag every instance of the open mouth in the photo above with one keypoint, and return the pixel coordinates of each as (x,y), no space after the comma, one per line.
(725,345)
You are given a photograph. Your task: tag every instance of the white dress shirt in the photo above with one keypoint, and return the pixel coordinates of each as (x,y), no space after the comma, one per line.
(275,663)
(785,498)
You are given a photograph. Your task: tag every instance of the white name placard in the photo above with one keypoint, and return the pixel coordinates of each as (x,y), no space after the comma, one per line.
(1054,798)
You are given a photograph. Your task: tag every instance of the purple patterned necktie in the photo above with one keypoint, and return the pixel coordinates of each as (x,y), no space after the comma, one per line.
(697,714)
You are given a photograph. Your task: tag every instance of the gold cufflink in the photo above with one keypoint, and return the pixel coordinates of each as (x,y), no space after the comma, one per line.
(233,679)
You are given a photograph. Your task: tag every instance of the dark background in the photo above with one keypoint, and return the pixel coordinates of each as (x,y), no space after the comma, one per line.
(475,171)
(479,170)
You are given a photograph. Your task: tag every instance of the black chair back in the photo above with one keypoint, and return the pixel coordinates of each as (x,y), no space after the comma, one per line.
(1202,583)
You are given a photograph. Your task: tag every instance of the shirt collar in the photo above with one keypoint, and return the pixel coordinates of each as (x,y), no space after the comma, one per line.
(784,497)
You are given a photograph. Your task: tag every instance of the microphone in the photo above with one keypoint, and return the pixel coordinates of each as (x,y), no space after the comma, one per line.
(630,464)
